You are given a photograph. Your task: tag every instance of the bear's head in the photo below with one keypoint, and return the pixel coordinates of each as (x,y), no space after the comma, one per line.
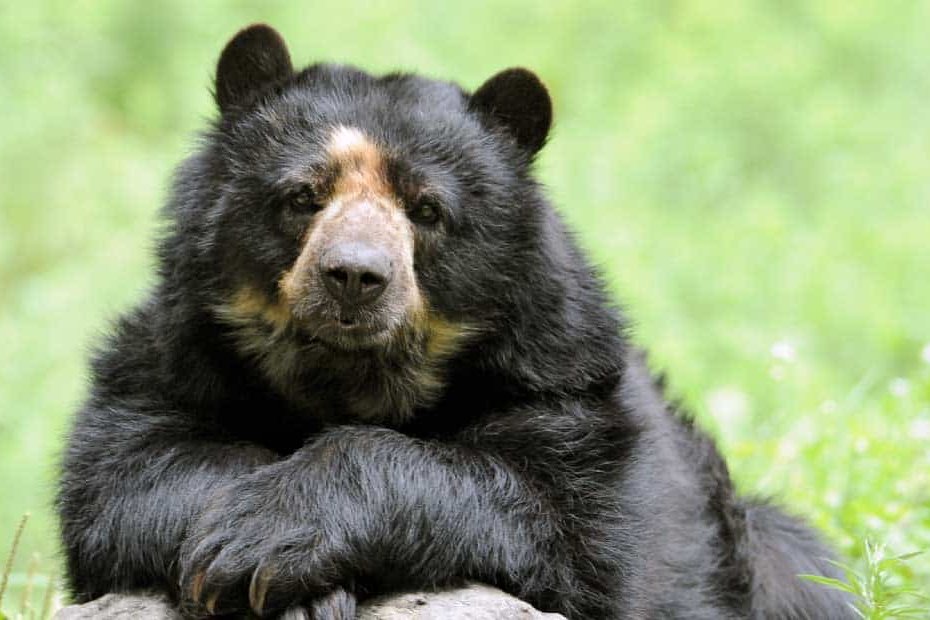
(370,228)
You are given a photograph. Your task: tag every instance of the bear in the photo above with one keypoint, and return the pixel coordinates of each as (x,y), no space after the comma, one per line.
(375,359)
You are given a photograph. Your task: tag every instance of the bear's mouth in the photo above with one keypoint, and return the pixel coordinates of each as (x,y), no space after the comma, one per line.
(352,333)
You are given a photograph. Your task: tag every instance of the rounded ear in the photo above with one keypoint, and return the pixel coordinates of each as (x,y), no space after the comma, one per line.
(256,57)
(517,100)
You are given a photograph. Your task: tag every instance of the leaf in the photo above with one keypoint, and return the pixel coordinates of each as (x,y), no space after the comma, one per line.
(846,568)
(905,612)
(829,582)
(907,556)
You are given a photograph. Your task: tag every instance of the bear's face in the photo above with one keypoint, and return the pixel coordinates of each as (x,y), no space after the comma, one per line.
(337,236)
(365,213)
(353,282)
(330,222)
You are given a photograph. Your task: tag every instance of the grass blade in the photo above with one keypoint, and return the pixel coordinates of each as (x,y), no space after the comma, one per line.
(8,567)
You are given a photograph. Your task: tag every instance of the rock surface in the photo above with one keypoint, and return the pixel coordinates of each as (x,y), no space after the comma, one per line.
(123,606)
(474,602)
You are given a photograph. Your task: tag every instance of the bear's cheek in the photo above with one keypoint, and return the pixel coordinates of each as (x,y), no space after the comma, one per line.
(246,247)
(459,277)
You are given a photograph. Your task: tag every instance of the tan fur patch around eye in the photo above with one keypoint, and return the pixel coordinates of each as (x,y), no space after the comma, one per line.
(293,282)
(359,205)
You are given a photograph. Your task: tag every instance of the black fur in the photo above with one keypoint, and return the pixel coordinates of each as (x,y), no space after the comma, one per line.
(254,59)
(517,100)
(548,463)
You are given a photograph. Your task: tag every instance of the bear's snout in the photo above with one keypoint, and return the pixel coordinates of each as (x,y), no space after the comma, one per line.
(355,273)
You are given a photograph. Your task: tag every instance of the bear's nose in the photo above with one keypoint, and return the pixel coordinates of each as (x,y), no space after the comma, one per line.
(355,274)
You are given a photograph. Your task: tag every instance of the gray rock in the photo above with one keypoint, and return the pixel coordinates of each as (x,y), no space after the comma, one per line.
(121,606)
(474,602)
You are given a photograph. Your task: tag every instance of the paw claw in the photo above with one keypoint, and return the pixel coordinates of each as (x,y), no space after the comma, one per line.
(211,602)
(258,589)
(197,586)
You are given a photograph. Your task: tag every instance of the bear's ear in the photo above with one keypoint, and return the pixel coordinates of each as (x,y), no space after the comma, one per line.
(516,99)
(256,57)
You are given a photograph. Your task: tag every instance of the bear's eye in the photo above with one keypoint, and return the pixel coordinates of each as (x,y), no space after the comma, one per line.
(425,212)
(303,201)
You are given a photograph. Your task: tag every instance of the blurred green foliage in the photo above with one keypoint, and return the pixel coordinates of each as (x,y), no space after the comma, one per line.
(751,176)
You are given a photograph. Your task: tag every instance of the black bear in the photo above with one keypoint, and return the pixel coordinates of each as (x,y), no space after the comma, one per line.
(376,360)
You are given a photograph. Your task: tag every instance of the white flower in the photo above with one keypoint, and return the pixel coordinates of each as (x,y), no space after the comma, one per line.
(784,351)
(787,450)
(920,428)
(899,387)
(861,445)
(728,404)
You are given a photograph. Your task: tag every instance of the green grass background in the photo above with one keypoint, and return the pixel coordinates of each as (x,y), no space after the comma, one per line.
(751,176)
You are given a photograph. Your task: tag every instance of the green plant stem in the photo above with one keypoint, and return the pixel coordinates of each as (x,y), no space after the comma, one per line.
(8,567)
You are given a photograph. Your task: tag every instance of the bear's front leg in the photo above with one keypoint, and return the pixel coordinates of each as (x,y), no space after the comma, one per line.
(371,510)
(266,543)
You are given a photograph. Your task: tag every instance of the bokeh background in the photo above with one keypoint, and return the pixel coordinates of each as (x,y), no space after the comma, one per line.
(752,177)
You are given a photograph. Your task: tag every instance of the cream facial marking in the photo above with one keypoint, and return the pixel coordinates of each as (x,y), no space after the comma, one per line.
(360,206)
(345,139)
(361,166)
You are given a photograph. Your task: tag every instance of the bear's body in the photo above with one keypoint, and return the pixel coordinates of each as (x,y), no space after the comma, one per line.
(376,360)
